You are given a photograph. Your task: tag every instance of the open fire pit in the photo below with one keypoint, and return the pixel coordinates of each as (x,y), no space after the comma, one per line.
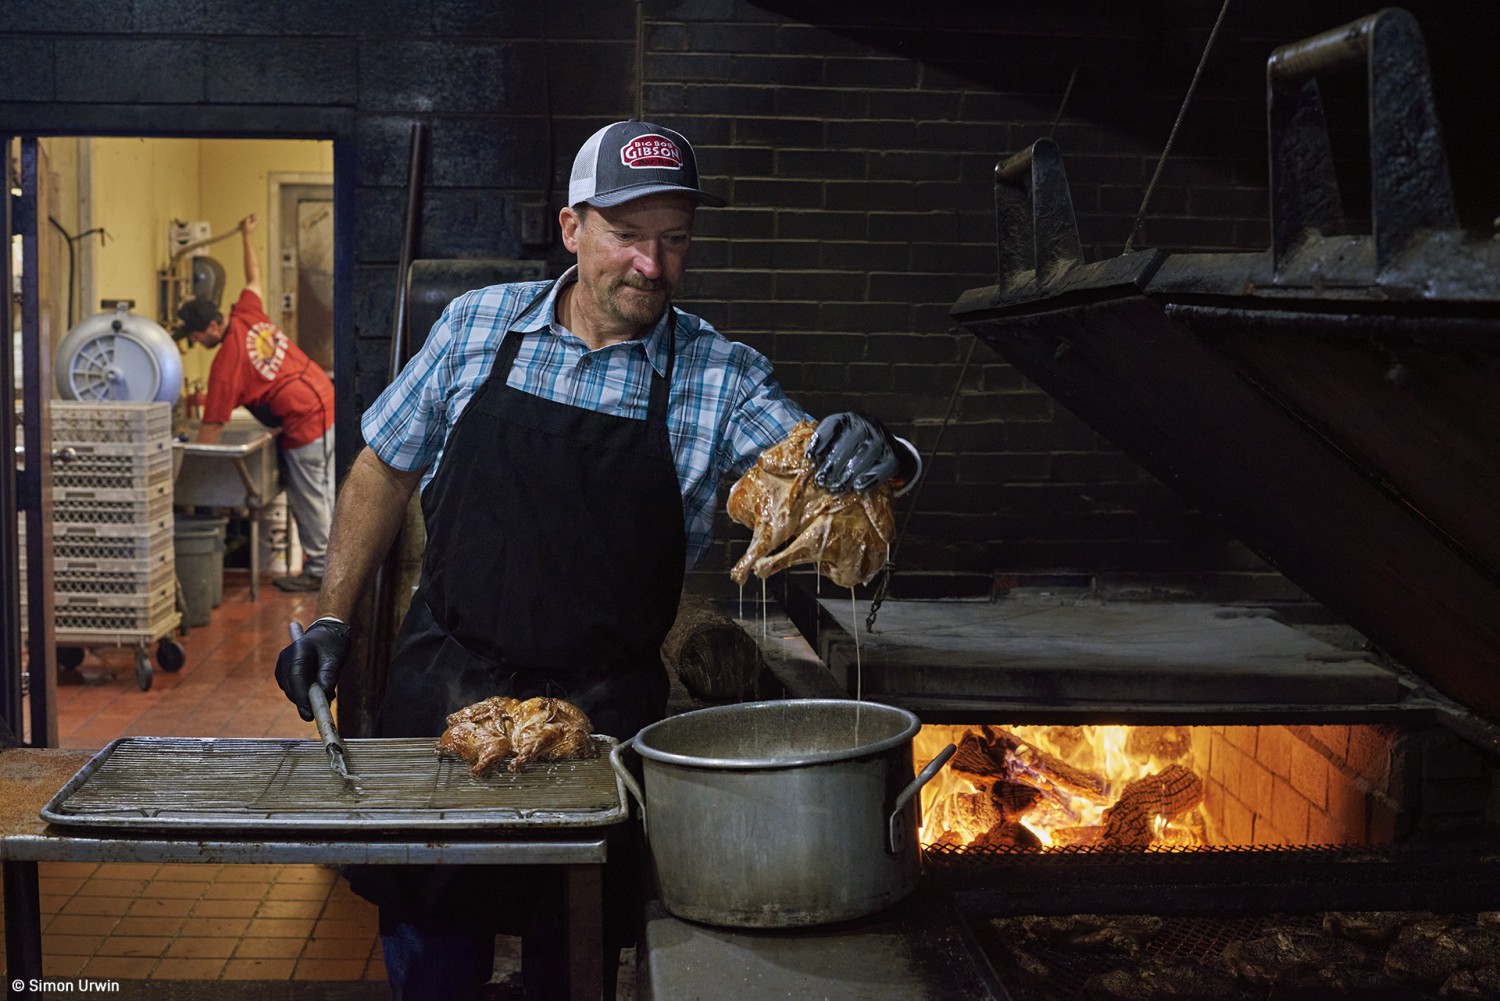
(1170,786)
(1117,862)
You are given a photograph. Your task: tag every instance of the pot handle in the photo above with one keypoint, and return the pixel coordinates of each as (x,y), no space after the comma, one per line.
(899,823)
(617,762)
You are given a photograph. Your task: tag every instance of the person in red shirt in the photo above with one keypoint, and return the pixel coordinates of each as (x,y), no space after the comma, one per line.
(259,368)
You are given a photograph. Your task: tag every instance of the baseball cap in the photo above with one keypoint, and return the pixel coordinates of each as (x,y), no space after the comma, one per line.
(632,159)
(193,316)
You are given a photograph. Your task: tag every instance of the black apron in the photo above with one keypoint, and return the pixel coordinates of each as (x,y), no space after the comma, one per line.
(554,562)
(554,566)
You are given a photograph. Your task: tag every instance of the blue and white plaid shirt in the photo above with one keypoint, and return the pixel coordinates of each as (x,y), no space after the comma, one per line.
(726,407)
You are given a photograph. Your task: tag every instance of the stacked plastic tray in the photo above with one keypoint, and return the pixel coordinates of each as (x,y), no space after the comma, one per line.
(114,569)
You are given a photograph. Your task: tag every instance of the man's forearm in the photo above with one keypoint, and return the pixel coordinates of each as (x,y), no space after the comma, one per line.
(370,510)
(252,262)
(208,434)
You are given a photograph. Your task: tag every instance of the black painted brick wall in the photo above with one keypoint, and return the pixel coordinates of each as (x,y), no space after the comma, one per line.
(856,142)
(876,129)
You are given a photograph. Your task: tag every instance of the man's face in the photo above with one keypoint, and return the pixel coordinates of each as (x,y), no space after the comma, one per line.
(631,257)
(209,336)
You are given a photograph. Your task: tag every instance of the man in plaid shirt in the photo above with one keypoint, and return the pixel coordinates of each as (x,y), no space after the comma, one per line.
(569,438)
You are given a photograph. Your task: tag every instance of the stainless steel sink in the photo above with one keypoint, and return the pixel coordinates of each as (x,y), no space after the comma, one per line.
(238,471)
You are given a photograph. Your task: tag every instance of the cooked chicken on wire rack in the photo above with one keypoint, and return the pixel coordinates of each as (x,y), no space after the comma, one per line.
(538,729)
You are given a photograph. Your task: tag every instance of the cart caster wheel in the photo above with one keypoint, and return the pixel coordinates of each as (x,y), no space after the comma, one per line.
(170,655)
(69,657)
(142,671)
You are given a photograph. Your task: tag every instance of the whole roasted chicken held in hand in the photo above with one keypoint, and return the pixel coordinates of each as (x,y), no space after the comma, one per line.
(847,536)
(539,729)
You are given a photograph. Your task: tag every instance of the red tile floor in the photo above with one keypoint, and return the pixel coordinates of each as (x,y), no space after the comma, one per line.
(201,922)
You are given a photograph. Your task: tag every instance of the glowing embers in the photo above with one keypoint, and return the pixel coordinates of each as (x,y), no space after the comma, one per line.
(1056,786)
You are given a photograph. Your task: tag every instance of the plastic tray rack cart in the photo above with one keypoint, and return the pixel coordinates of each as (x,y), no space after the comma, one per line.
(114,568)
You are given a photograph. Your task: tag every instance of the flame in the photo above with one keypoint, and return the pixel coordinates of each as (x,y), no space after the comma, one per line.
(1072,799)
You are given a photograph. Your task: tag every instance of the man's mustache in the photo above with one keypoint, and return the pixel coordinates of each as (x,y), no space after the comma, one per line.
(644,286)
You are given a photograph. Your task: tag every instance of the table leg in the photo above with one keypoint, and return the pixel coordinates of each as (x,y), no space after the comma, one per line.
(23,925)
(585,902)
(254,554)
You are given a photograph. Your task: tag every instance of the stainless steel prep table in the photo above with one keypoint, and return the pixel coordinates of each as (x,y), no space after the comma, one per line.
(29,777)
(238,471)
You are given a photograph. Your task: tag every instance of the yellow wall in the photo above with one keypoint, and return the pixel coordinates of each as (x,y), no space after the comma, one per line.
(60,157)
(140,185)
(235,182)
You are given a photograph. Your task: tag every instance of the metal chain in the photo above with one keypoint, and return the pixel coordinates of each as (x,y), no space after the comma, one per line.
(1140,216)
(883,586)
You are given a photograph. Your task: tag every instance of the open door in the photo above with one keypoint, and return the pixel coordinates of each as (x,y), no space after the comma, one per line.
(26,441)
(10,539)
(35,478)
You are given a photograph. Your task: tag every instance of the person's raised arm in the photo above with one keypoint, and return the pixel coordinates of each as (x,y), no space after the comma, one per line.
(370,510)
(252,262)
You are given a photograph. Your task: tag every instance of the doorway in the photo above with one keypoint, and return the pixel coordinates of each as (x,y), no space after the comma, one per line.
(117,211)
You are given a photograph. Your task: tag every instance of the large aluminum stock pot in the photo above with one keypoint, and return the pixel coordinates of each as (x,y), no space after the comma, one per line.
(781,814)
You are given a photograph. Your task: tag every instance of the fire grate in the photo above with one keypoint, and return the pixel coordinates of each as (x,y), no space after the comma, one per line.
(982,855)
(1450,877)
(1068,959)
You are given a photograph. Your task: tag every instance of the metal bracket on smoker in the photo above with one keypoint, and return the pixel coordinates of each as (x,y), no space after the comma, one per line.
(1410,186)
(1038,253)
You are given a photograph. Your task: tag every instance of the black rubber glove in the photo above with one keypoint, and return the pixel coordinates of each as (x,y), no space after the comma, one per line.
(317,656)
(850,451)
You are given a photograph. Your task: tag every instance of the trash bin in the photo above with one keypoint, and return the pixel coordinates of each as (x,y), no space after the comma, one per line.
(198,541)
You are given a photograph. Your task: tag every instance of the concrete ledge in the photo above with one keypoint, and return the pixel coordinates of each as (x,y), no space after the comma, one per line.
(1041,649)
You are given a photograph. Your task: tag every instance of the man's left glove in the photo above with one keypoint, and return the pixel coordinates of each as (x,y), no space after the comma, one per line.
(850,451)
(317,656)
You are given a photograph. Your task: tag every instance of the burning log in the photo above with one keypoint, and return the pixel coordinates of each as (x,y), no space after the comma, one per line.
(991,753)
(980,754)
(1013,799)
(1009,834)
(715,659)
(1169,794)
(975,811)
(1054,770)
(1077,837)
(995,813)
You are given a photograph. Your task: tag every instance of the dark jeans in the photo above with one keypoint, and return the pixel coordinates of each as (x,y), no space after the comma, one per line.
(438,932)
(435,964)
(430,963)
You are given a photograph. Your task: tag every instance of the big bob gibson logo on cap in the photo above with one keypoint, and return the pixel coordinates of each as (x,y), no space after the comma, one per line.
(651,150)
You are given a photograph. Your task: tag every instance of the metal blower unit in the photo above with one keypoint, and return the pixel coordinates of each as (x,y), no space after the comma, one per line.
(121,356)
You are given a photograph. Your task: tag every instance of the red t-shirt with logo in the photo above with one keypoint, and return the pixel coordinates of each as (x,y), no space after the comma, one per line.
(258,367)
